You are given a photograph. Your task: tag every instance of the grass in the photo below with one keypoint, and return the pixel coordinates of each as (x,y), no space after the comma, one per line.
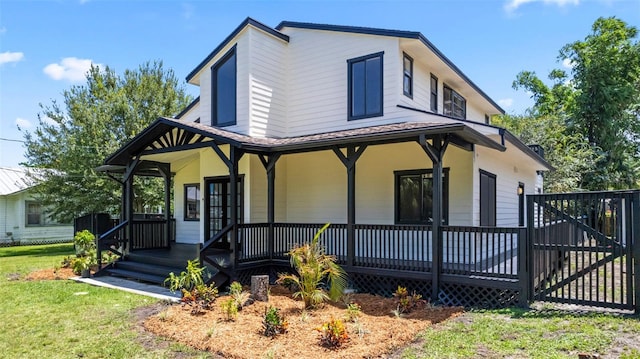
(522,333)
(65,319)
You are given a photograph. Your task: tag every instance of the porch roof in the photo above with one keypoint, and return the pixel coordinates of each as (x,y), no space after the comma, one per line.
(169,135)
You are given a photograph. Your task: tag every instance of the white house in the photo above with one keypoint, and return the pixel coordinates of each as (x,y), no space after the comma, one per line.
(304,124)
(22,217)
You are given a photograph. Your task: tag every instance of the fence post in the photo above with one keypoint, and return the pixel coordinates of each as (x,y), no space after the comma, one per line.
(530,259)
(635,242)
(523,267)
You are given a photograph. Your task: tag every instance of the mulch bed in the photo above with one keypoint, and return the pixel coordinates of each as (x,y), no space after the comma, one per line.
(51,274)
(377,333)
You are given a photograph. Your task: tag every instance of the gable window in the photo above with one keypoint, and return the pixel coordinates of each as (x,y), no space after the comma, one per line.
(192,202)
(365,86)
(34,214)
(223,90)
(434,94)
(454,104)
(407,77)
(414,196)
(487,199)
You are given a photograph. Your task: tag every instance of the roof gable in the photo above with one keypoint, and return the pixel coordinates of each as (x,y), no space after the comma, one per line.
(13,180)
(247,22)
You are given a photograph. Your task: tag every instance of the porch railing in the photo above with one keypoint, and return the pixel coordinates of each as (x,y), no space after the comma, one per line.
(150,234)
(401,247)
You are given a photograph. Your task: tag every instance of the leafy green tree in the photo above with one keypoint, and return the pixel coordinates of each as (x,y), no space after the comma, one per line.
(596,105)
(95,120)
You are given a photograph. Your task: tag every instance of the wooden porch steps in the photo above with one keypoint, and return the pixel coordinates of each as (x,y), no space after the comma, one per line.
(147,272)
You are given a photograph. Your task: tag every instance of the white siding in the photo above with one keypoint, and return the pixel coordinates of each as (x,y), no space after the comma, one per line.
(192,115)
(268,85)
(187,231)
(510,168)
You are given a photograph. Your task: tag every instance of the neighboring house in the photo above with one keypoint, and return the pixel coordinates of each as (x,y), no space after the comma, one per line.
(304,124)
(22,217)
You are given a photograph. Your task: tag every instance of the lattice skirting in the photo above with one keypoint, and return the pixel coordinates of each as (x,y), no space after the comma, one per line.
(452,294)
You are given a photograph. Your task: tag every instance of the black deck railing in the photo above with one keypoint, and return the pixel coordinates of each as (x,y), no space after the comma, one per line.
(400,247)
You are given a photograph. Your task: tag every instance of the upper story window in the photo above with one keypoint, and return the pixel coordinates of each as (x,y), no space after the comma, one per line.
(434,94)
(407,77)
(454,104)
(365,86)
(223,90)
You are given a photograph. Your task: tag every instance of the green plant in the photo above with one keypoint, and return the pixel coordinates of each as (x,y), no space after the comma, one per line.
(314,267)
(239,296)
(333,334)
(408,302)
(229,309)
(200,298)
(82,263)
(273,323)
(188,279)
(353,312)
(84,242)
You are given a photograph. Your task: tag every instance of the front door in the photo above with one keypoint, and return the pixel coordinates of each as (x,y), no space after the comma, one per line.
(218,205)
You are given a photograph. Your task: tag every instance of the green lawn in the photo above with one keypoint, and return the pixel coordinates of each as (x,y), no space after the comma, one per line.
(65,319)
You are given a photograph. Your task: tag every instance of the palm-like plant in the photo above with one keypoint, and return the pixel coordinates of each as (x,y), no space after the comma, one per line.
(314,267)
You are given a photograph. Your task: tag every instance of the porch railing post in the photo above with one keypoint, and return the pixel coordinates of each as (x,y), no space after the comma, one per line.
(523,265)
(635,227)
(530,281)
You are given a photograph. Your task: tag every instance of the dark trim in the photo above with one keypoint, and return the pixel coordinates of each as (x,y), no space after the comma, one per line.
(433,105)
(187,219)
(521,201)
(396,193)
(227,40)
(393,33)
(188,108)
(214,88)
(454,93)
(350,63)
(495,197)
(409,94)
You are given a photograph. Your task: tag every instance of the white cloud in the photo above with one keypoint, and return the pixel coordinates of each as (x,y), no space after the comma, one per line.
(567,64)
(48,120)
(505,102)
(23,124)
(7,57)
(70,68)
(512,5)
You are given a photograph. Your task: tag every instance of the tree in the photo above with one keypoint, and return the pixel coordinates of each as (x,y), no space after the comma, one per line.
(98,118)
(596,104)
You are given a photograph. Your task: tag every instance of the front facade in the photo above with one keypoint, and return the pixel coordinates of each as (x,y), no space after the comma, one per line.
(368,129)
(23,219)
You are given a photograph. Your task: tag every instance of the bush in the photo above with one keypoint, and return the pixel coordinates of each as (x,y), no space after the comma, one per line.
(273,323)
(239,296)
(333,334)
(313,268)
(407,303)
(188,279)
(229,309)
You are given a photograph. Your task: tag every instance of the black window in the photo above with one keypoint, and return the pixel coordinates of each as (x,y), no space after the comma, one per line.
(454,104)
(413,196)
(434,94)
(34,214)
(365,86)
(223,90)
(487,199)
(407,77)
(192,202)
(487,119)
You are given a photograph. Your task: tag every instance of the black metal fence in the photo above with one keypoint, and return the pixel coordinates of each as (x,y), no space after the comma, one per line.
(583,248)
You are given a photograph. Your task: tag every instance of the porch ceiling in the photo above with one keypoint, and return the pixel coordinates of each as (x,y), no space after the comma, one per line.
(169,135)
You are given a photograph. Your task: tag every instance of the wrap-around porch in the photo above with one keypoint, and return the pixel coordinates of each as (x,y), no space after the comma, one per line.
(427,255)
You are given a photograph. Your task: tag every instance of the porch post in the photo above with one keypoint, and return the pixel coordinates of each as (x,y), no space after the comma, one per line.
(635,242)
(436,151)
(165,170)
(234,157)
(128,200)
(269,164)
(349,162)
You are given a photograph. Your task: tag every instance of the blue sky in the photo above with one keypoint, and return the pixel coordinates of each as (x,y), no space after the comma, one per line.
(46,46)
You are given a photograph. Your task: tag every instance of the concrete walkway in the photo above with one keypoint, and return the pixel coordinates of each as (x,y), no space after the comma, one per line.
(149,290)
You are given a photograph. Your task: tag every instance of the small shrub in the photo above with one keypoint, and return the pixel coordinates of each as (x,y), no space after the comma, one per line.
(239,296)
(407,303)
(314,269)
(229,309)
(333,334)
(273,323)
(84,242)
(353,312)
(200,298)
(188,279)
